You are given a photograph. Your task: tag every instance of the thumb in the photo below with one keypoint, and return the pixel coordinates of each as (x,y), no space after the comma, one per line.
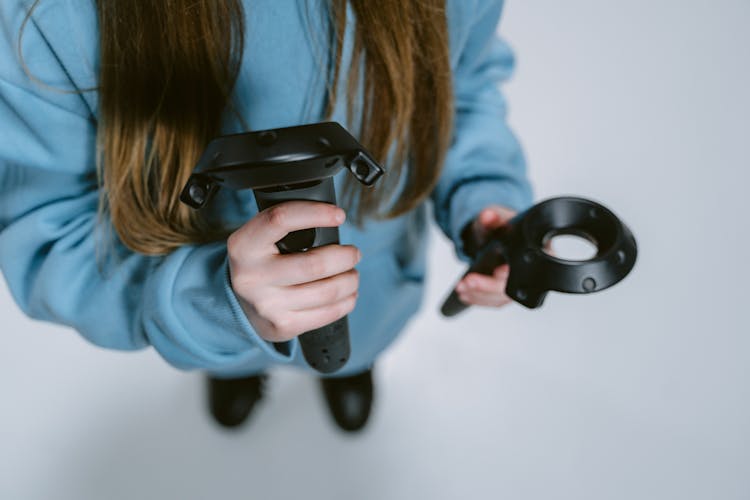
(490,218)
(485,222)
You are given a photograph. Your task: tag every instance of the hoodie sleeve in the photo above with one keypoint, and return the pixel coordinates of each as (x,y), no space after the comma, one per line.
(485,164)
(182,303)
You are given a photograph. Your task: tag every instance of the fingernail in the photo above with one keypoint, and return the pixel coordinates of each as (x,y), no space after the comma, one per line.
(341,215)
(461,287)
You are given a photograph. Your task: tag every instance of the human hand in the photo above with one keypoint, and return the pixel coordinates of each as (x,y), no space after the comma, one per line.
(285,295)
(481,289)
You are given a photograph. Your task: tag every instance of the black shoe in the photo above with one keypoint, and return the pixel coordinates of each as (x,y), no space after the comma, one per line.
(349,399)
(231,400)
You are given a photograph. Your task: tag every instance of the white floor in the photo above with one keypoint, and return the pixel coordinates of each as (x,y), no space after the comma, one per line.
(639,392)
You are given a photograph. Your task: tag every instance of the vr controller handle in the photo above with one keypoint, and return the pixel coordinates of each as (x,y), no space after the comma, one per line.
(488,258)
(326,349)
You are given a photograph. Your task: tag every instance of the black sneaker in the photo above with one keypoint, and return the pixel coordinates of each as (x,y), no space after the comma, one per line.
(349,399)
(231,400)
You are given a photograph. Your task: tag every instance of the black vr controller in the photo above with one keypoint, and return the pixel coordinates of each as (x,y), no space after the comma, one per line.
(533,272)
(293,163)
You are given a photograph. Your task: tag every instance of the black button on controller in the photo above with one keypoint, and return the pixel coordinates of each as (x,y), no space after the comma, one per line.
(297,241)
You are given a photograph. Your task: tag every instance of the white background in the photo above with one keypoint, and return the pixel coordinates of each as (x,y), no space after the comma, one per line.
(639,392)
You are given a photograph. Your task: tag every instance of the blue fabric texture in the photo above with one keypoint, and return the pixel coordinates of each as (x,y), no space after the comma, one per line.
(183,304)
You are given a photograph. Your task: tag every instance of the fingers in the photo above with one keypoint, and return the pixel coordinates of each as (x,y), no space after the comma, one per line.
(487,220)
(494,216)
(284,295)
(491,217)
(478,299)
(322,292)
(293,323)
(282,312)
(313,265)
(479,289)
(484,299)
(482,284)
(273,223)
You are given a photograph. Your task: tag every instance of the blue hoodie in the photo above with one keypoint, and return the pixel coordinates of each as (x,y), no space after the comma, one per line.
(182,303)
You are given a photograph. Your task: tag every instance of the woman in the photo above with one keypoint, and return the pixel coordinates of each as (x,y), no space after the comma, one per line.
(105,108)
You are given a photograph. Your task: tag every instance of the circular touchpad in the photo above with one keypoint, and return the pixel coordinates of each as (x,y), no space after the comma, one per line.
(297,241)
(569,246)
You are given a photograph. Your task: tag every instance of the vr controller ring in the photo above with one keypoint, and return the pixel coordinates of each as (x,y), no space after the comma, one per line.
(533,271)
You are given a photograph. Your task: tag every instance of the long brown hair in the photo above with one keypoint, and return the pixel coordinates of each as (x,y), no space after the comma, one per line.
(167,70)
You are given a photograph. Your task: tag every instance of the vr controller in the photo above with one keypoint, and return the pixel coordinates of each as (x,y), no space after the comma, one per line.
(533,272)
(298,163)
(293,163)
